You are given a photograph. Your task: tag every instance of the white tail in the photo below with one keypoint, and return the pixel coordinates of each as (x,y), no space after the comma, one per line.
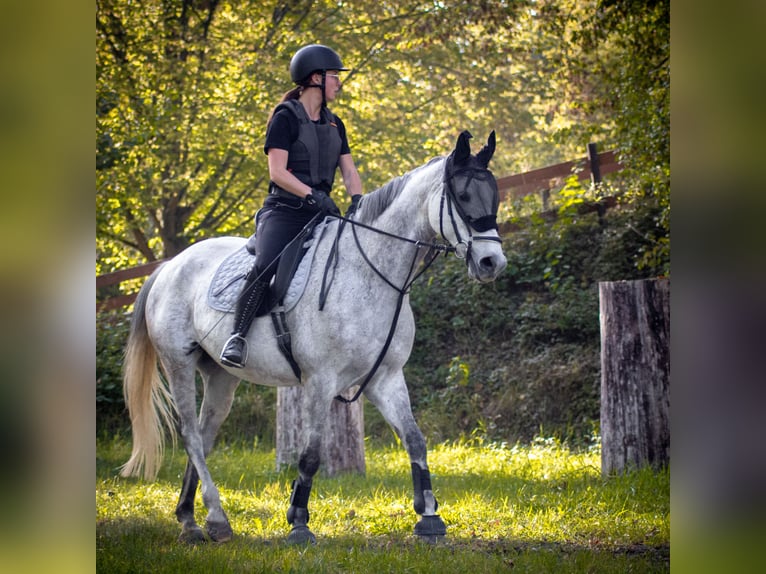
(148,400)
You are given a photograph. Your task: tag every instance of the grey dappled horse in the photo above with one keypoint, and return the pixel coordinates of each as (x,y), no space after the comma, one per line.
(336,348)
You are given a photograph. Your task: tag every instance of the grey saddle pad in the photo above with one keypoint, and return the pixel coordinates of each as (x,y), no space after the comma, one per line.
(229,278)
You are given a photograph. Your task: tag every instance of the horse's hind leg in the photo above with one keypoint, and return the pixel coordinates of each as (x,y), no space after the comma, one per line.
(219,387)
(191,533)
(391,398)
(198,437)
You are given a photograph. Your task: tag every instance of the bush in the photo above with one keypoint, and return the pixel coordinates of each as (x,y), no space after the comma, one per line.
(112,330)
(521,356)
(253,416)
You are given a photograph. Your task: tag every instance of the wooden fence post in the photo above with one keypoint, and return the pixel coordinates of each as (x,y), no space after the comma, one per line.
(635,369)
(343,442)
(545,195)
(595,165)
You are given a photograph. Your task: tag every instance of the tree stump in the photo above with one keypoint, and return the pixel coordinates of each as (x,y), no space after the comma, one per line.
(635,371)
(342,444)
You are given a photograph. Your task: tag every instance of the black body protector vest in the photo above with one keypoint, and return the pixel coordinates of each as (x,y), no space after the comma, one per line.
(313,157)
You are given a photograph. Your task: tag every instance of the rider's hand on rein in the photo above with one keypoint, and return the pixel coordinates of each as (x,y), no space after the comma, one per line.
(322,202)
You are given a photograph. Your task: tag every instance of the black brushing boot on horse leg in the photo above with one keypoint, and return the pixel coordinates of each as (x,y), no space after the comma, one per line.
(234,352)
(431,527)
(298,513)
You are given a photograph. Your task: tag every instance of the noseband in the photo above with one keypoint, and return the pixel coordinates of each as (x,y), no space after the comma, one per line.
(485,222)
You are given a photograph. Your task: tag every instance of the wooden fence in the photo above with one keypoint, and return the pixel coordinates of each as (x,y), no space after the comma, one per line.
(593,166)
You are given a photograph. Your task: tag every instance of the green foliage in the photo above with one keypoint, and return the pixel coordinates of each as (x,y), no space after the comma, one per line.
(182,97)
(253,416)
(522,354)
(111,335)
(542,508)
(638,94)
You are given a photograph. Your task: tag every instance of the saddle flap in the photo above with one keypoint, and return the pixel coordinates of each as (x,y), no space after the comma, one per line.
(288,263)
(287,286)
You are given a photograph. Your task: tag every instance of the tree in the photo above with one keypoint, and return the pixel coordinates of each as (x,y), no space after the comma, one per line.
(184,88)
(616,68)
(175,145)
(635,374)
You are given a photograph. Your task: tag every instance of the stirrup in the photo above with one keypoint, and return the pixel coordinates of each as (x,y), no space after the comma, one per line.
(239,344)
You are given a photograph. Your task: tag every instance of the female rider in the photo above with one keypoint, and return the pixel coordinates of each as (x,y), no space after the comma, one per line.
(305,143)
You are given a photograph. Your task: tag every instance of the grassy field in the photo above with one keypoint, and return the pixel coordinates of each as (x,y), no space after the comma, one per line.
(540,508)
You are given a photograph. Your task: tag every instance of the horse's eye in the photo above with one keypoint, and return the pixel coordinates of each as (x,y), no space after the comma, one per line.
(463,196)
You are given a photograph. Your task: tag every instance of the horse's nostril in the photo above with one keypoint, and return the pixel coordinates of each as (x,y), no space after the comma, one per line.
(487,263)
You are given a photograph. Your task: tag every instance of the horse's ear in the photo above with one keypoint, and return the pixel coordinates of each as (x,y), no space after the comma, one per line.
(487,151)
(462,150)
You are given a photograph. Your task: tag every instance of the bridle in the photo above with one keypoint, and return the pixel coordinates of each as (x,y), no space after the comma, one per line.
(462,248)
(480,224)
(449,196)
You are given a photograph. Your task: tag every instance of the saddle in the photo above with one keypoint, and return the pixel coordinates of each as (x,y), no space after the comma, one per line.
(286,287)
(285,290)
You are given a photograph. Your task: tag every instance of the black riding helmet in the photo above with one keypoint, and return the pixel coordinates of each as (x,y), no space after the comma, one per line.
(314,58)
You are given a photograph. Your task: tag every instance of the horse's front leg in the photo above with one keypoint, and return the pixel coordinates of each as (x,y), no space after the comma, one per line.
(298,512)
(392,399)
(315,409)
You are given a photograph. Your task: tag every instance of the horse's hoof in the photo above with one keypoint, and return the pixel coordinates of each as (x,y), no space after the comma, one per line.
(192,535)
(219,531)
(301,535)
(431,529)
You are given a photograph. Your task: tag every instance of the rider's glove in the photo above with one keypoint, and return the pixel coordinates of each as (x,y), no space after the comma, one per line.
(354,202)
(322,202)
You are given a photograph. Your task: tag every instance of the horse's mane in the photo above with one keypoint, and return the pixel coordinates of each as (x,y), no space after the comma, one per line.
(376,202)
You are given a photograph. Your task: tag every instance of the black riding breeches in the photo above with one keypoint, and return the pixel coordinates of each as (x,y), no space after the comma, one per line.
(278,223)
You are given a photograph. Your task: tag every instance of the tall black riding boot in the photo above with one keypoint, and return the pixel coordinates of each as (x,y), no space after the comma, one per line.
(234,352)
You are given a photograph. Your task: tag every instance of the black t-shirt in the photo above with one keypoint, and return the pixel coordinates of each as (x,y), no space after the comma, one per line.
(283,131)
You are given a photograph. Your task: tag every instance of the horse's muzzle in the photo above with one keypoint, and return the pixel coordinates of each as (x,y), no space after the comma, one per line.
(486,268)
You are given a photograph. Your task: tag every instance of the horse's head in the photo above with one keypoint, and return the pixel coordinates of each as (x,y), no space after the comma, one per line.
(468,209)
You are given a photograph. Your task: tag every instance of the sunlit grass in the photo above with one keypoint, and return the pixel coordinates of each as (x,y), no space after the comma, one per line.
(540,507)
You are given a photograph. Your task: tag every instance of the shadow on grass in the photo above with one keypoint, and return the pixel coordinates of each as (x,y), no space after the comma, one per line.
(137,544)
(130,544)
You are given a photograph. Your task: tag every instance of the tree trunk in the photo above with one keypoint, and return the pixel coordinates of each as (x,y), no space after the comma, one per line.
(343,441)
(635,369)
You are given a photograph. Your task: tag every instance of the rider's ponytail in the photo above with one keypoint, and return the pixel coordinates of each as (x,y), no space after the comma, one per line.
(293,94)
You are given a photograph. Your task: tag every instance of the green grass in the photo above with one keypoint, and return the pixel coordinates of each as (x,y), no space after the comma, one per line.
(541,508)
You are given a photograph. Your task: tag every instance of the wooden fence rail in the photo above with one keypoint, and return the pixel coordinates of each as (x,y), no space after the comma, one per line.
(124,274)
(594,165)
(117,277)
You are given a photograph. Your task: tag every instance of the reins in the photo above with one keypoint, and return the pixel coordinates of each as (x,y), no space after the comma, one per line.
(434,249)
